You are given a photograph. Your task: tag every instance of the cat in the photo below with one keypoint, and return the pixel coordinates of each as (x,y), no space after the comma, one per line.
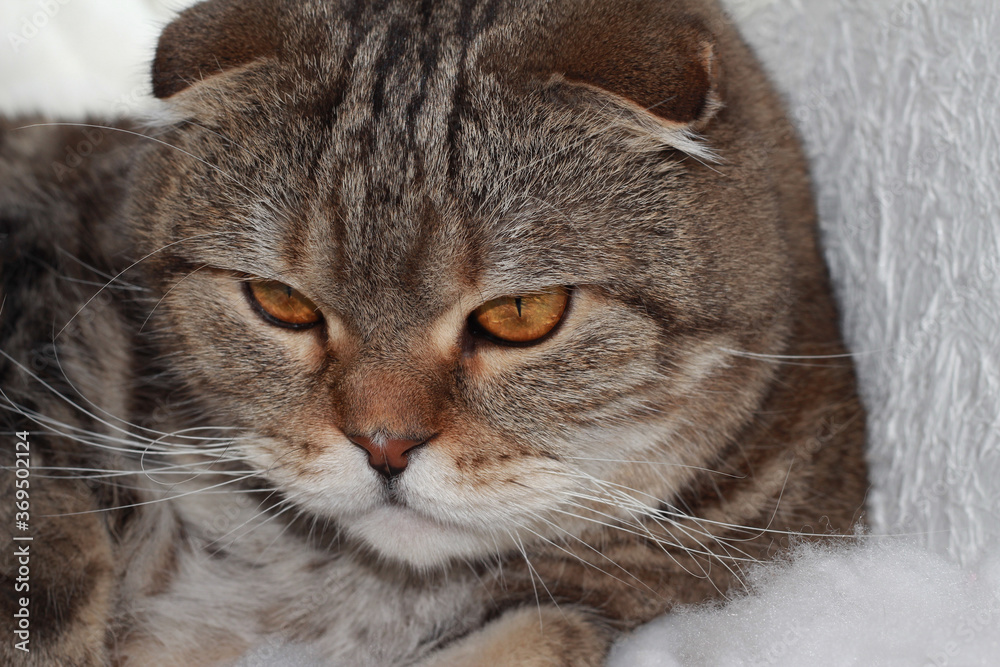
(439,333)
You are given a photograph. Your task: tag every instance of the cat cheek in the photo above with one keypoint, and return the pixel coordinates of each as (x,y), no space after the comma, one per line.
(474,459)
(326,474)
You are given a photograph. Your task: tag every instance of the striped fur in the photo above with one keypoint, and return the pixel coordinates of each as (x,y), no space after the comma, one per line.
(401,163)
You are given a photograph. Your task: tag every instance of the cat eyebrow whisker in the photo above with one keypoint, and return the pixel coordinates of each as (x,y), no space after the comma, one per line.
(127,269)
(55,348)
(109,279)
(94,283)
(167,292)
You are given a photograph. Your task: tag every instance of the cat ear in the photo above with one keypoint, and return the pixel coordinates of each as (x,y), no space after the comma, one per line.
(211,38)
(675,85)
(643,55)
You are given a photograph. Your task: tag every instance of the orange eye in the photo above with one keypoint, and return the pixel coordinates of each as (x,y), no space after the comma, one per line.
(524,318)
(281,305)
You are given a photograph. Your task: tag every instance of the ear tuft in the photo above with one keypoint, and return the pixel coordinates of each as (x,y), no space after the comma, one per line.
(211,38)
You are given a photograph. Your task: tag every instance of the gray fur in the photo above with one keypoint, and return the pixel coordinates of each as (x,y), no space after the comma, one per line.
(400,164)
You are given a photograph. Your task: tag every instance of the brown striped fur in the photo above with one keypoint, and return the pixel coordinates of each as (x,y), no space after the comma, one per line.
(401,163)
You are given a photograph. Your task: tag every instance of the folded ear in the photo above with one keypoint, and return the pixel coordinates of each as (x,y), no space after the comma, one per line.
(646,54)
(211,38)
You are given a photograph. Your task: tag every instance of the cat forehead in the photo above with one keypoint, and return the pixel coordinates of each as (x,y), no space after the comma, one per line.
(655,56)
(395,136)
(404,92)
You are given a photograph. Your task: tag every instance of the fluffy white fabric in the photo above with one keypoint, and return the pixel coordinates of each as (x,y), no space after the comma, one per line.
(897,102)
(884,603)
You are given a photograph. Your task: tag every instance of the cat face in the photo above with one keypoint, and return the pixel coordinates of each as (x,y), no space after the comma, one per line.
(447,268)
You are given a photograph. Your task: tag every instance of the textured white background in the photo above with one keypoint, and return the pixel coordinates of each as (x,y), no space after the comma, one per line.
(898,105)
(897,102)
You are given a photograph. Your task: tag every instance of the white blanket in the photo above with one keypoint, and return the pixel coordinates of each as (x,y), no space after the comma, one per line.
(897,101)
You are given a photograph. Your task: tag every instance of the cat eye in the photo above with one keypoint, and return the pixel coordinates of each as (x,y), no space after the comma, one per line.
(520,319)
(281,304)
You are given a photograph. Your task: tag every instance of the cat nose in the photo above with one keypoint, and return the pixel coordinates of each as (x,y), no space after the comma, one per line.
(388,456)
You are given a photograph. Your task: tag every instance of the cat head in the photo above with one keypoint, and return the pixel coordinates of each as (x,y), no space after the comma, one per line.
(458,266)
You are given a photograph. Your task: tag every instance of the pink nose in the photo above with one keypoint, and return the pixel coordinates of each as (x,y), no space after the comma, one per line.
(387,456)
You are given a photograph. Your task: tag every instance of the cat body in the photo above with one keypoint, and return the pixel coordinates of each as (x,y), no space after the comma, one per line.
(257,345)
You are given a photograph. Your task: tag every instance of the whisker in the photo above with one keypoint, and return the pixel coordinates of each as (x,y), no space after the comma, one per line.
(288,524)
(160,300)
(76,406)
(157,500)
(153,139)
(107,276)
(125,270)
(53,426)
(531,574)
(289,504)
(592,548)
(663,463)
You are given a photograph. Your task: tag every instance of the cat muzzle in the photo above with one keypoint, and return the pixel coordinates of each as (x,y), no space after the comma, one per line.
(387,456)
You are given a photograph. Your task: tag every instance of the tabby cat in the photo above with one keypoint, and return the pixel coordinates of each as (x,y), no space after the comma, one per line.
(438,333)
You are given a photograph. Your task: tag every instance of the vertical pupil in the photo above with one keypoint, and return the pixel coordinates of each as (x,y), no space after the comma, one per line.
(288,291)
(517,302)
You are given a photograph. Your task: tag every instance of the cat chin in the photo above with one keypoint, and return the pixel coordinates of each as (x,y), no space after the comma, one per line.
(403,535)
